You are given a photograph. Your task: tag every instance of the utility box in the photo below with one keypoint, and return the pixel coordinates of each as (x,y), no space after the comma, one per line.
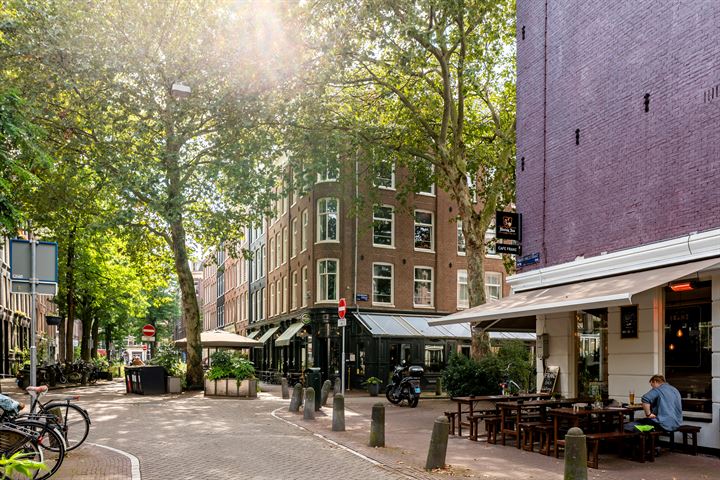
(145,380)
(313,378)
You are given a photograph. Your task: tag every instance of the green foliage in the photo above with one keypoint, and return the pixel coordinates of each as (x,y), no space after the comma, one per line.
(230,365)
(20,463)
(372,381)
(168,356)
(101,363)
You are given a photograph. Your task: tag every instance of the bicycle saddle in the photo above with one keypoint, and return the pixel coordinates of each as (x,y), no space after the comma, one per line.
(39,389)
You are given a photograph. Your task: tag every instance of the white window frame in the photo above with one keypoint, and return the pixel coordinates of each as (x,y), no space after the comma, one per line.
(305,286)
(392,226)
(462,304)
(490,251)
(272,299)
(261,266)
(431,289)
(327,174)
(294,239)
(285,294)
(431,192)
(278,249)
(278,298)
(432,230)
(294,292)
(391,303)
(322,219)
(284,245)
(322,297)
(392,177)
(304,230)
(271,260)
(461,240)
(498,285)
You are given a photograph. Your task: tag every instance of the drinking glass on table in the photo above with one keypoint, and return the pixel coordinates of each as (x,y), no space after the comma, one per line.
(632,397)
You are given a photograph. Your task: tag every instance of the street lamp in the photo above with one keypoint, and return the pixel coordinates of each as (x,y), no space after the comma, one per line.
(180,90)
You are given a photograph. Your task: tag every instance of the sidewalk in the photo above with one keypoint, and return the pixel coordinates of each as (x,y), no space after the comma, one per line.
(407,438)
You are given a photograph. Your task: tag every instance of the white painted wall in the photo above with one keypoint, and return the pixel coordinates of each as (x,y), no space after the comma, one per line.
(562,349)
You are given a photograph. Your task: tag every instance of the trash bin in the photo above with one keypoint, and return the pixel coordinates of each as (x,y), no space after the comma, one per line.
(145,380)
(313,378)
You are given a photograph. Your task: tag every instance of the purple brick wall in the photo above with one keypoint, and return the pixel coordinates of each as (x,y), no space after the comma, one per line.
(636,177)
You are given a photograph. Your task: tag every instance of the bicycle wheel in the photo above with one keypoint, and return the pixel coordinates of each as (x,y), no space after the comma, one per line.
(75,422)
(51,443)
(13,441)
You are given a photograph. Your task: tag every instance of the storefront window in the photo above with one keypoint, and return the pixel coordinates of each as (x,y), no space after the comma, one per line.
(688,347)
(591,328)
(434,358)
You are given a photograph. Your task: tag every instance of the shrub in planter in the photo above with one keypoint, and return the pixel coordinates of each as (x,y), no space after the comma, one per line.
(168,357)
(230,374)
(373,385)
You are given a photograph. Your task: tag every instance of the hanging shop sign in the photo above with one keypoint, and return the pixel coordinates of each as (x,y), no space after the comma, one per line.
(508,226)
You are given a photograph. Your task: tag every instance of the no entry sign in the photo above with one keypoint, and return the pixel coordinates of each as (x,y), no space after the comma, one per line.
(148,330)
(342,306)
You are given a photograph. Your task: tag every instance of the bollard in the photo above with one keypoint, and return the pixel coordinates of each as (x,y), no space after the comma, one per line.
(325,392)
(337,386)
(296,399)
(309,410)
(575,455)
(438,444)
(338,422)
(377,426)
(284,388)
(438,386)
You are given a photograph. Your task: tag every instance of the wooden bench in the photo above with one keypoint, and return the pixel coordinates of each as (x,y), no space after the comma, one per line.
(685,430)
(492,427)
(475,419)
(594,440)
(452,417)
(545,434)
(527,434)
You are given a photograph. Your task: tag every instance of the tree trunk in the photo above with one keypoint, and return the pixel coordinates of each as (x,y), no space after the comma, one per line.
(108,342)
(86,317)
(95,338)
(71,299)
(475,254)
(190,309)
(61,338)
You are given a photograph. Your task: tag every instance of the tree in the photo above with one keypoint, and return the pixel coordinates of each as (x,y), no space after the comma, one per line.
(196,169)
(428,84)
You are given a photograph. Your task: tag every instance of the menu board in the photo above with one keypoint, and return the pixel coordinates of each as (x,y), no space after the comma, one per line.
(549,379)
(629,322)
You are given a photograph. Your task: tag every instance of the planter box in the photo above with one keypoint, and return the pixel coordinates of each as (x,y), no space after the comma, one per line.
(229,387)
(173,384)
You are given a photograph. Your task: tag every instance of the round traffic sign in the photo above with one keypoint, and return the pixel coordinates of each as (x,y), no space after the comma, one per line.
(341,308)
(148,330)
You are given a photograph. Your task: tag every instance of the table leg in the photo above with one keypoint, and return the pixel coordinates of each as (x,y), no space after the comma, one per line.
(555,435)
(459,419)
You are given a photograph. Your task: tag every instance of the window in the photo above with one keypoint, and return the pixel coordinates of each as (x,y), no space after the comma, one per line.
(284,245)
(327,280)
(490,242)
(262,303)
(434,358)
(383,217)
(261,266)
(304,231)
(493,285)
(278,250)
(430,173)
(279,299)
(463,295)
(272,299)
(221,316)
(293,301)
(382,283)
(285,294)
(294,240)
(424,230)
(304,294)
(330,174)
(271,260)
(423,291)
(460,239)
(385,175)
(327,220)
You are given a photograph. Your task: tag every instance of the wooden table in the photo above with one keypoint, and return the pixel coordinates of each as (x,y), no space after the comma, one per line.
(472,402)
(509,409)
(585,414)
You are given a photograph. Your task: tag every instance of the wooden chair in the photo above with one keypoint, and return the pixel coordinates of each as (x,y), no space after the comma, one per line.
(492,427)
(545,432)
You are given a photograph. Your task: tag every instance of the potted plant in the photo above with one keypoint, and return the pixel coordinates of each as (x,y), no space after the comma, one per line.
(373,385)
(168,357)
(230,374)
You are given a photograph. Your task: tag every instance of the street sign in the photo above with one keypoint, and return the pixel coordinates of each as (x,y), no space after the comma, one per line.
(527,260)
(147,339)
(506,248)
(342,322)
(342,306)
(362,297)
(45,261)
(144,346)
(148,330)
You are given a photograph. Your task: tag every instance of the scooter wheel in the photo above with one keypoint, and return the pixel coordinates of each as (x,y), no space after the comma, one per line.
(413,401)
(389,394)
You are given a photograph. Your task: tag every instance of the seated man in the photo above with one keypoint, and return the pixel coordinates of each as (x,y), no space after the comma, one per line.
(662,406)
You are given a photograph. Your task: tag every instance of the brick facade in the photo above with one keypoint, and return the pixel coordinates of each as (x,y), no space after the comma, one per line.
(635,177)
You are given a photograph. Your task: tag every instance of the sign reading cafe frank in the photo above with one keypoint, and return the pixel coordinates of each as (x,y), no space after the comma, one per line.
(508,226)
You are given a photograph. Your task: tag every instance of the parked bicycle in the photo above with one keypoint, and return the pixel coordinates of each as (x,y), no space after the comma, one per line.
(74,420)
(508,383)
(14,440)
(48,437)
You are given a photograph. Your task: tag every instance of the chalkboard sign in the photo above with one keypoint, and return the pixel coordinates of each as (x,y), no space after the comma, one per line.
(549,379)
(628,321)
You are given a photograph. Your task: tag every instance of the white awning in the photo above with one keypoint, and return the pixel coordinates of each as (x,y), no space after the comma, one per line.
(252,334)
(267,334)
(604,292)
(284,339)
(386,325)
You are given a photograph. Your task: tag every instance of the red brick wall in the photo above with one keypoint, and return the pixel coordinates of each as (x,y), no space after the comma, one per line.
(636,177)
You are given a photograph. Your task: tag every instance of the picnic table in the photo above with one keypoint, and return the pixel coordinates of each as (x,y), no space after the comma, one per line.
(473,400)
(520,410)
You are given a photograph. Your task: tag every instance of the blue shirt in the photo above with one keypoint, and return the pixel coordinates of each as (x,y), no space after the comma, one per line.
(666,404)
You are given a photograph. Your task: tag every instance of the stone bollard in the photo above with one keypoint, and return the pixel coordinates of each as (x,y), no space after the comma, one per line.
(338,422)
(325,392)
(438,444)
(377,426)
(575,455)
(438,386)
(296,399)
(337,386)
(284,388)
(309,409)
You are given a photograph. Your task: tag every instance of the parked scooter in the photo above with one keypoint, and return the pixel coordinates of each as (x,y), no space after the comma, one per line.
(405,385)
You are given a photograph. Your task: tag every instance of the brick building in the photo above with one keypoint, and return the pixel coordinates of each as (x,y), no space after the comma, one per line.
(397,265)
(618,148)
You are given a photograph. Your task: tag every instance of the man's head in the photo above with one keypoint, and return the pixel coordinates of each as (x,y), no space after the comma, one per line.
(656,380)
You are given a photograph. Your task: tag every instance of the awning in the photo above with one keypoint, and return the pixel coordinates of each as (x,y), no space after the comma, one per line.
(267,335)
(253,334)
(221,338)
(382,325)
(284,339)
(604,292)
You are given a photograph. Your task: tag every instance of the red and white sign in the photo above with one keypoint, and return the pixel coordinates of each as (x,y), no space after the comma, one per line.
(148,330)
(144,346)
(341,308)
